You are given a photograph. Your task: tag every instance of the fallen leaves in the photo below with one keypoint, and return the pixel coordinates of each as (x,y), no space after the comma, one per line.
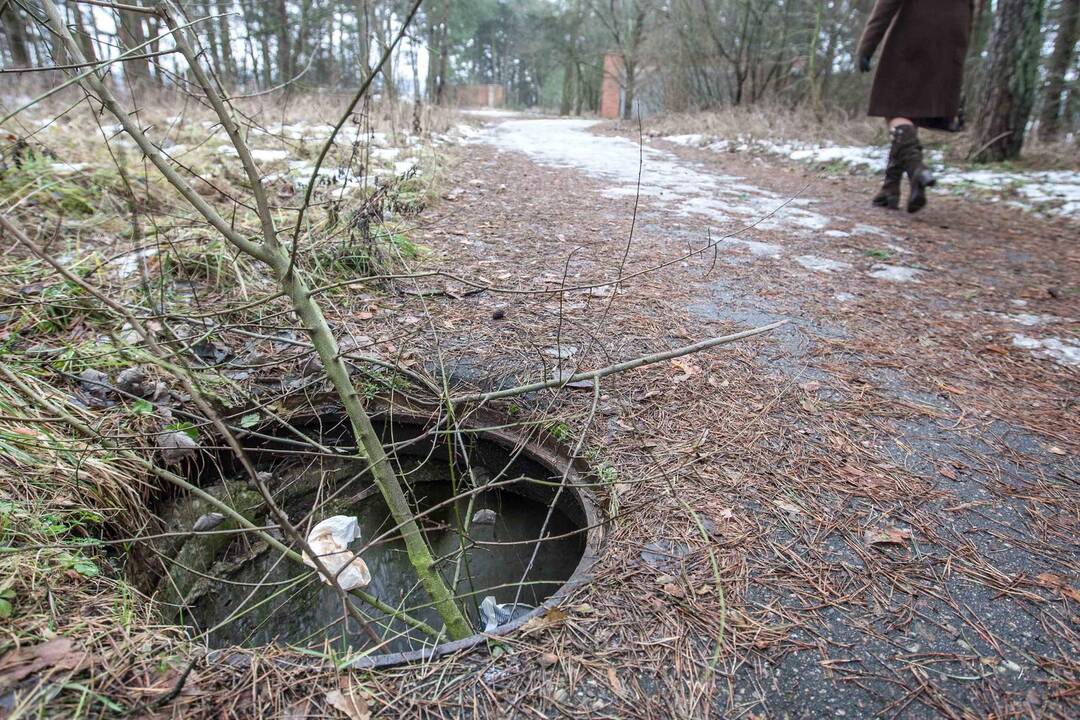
(57,655)
(886,536)
(1051,581)
(789,507)
(546,621)
(688,369)
(176,446)
(354,704)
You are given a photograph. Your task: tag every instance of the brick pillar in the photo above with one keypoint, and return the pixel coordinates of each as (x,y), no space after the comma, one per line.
(611,87)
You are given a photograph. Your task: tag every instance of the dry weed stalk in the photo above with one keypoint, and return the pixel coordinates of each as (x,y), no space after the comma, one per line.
(269,250)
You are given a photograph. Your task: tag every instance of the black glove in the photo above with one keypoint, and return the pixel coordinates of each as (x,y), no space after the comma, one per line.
(864,63)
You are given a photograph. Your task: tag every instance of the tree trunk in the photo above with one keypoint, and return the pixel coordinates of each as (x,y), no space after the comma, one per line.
(974,65)
(133,34)
(433,49)
(1058,67)
(284,56)
(228,71)
(629,89)
(86,41)
(637,32)
(1012,73)
(363,37)
(387,31)
(444,53)
(15,31)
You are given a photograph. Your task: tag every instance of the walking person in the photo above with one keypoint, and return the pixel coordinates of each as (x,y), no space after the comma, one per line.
(917,84)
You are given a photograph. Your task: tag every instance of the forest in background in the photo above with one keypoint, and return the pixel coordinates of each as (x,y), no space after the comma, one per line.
(678,55)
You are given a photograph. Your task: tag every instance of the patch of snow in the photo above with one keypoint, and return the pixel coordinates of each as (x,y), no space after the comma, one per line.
(837,234)
(256,154)
(1063,352)
(385,154)
(758,249)
(269,155)
(1027,319)
(129,263)
(861,229)
(895,273)
(688,140)
(64,168)
(338,179)
(1018,303)
(490,112)
(844,297)
(673,183)
(1056,192)
(819,264)
(403,166)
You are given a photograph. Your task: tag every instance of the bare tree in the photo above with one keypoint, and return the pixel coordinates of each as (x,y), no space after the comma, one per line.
(15,34)
(625,21)
(133,34)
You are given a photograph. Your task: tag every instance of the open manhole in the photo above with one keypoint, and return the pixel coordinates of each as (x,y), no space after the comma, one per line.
(485,494)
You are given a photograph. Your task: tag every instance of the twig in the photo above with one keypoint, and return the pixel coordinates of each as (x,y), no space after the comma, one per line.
(619,367)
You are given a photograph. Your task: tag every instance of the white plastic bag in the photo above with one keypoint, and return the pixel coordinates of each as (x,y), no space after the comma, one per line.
(329,540)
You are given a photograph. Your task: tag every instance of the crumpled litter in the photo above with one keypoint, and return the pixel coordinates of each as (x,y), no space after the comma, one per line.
(329,540)
(495,614)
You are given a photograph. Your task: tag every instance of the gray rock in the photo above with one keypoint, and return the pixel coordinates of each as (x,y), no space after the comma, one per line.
(133,382)
(94,382)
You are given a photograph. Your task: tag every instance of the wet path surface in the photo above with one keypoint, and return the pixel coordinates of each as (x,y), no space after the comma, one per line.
(890,483)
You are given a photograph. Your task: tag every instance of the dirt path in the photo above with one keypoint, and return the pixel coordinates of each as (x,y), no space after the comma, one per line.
(871,511)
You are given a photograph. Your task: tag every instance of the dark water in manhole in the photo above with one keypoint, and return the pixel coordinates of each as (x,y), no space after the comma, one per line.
(245,593)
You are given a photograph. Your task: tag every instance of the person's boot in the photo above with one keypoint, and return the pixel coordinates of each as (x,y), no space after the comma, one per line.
(910,156)
(889,194)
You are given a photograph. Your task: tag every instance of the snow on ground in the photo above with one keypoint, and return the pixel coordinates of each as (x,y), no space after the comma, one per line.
(1061,351)
(895,273)
(490,113)
(819,264)
(673,183)
(1052,192)
(684,188)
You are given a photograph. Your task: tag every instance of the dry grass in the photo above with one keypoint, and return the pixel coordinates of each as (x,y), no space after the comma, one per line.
(88,197)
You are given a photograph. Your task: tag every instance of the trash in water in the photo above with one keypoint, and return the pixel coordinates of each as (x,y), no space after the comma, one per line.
(329,540)
(494,614)
(209,521)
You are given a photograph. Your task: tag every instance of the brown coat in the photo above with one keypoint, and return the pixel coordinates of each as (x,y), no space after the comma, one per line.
(921,70)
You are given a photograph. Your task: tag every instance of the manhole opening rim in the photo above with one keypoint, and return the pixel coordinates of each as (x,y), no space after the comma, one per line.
(543,449)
